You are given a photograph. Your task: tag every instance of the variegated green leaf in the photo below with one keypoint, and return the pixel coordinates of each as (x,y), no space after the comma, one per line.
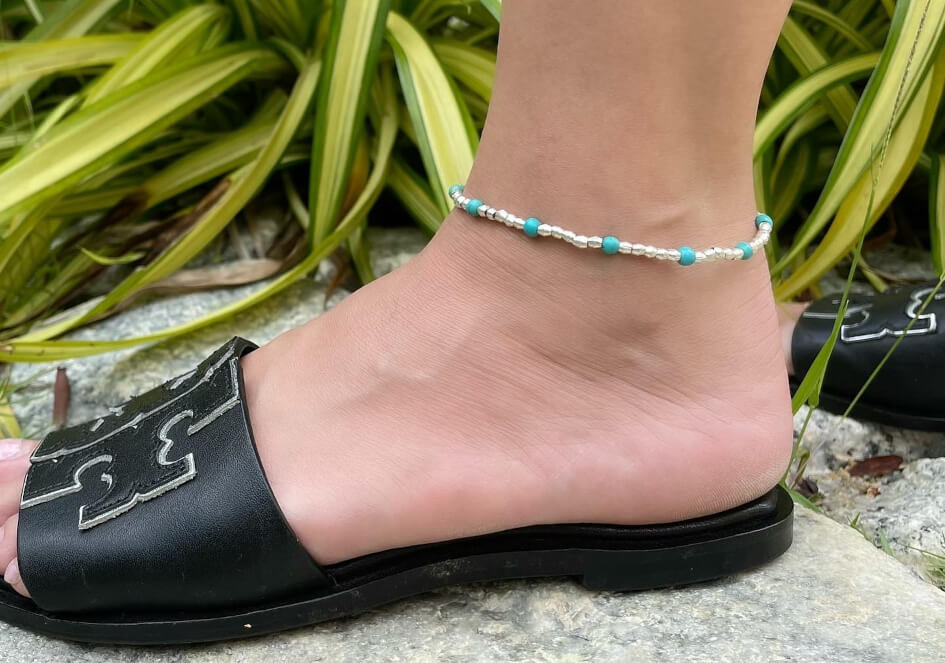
(937,212)
(473,67)
(243,185)
(914,43)
(494,7)
(798,98)
(36,350)
(355,37)
(72,19)
(28,61)
(876,188)
(807,56)
(441,122)
(178,37)
(121,123)
(415,195)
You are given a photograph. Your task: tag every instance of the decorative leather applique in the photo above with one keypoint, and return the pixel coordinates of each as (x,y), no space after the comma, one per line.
(864,326)
(133,454)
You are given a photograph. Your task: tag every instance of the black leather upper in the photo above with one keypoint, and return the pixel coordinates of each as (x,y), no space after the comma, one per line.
(162,503)
(913,380)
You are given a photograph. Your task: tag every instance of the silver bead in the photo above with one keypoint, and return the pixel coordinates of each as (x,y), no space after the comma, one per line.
(580,241)
(739,254)
(482,211)
(700,256)
(490,213)
(764,225)
(510,220)
(650,251)
(568,236)
(557,232)
(731,254)
(595,242)
(544,229)
(626,247)
(709,253)
(662,254)
(674,255)
(638,249)
(501,215)
(518,222)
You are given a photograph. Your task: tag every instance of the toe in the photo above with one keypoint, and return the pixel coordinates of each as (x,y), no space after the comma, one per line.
(14,461)
(8,561)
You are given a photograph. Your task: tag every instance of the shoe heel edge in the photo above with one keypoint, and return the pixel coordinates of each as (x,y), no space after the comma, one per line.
(612,570)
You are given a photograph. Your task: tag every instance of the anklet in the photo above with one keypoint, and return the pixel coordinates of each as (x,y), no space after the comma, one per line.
(610,244)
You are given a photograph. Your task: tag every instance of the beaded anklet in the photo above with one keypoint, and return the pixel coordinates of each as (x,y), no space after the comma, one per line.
(610,244)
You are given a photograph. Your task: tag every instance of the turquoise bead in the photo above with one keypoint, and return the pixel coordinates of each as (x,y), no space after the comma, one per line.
(746,247)
(531,227)
(456,188)
(610,245)
(686,256)
(473,206)
(763,218)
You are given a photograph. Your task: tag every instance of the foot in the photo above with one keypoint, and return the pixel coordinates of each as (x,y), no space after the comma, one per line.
(496,382)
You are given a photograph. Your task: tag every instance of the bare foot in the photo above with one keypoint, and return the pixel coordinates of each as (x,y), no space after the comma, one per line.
(497,382)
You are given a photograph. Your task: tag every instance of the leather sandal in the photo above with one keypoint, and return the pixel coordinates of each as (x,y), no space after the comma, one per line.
(155,524)
(908,391)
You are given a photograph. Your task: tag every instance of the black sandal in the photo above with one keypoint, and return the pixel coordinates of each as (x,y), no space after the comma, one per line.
(155,525)
(908,391)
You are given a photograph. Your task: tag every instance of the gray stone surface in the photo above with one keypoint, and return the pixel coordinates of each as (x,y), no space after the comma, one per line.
(904,509)
(891,261)
(833,597)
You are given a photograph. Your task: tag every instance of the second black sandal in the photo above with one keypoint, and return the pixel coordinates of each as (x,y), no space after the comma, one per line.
(908,391)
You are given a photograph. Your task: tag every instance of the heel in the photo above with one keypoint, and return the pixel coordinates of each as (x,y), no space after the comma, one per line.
(629,570)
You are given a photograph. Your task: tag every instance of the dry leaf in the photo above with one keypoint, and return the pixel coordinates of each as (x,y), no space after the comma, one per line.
(877,466)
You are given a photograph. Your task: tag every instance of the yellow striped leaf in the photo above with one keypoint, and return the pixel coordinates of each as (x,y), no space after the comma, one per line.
(444,131)
(27,61)
(875,189)
(120,123)
(35,350)
(244,184)
(72,19)
(354,40)
(180,36)
(914,40)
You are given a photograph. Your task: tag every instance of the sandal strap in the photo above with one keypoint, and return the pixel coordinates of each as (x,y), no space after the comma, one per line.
(910,379)
(162,503)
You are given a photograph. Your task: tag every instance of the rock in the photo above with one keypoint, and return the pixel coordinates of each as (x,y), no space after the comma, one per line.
(906,264)
(903,510)
(392,248)
(832,597)
(836,443)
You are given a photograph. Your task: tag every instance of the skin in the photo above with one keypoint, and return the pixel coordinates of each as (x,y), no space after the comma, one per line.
(498,381)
